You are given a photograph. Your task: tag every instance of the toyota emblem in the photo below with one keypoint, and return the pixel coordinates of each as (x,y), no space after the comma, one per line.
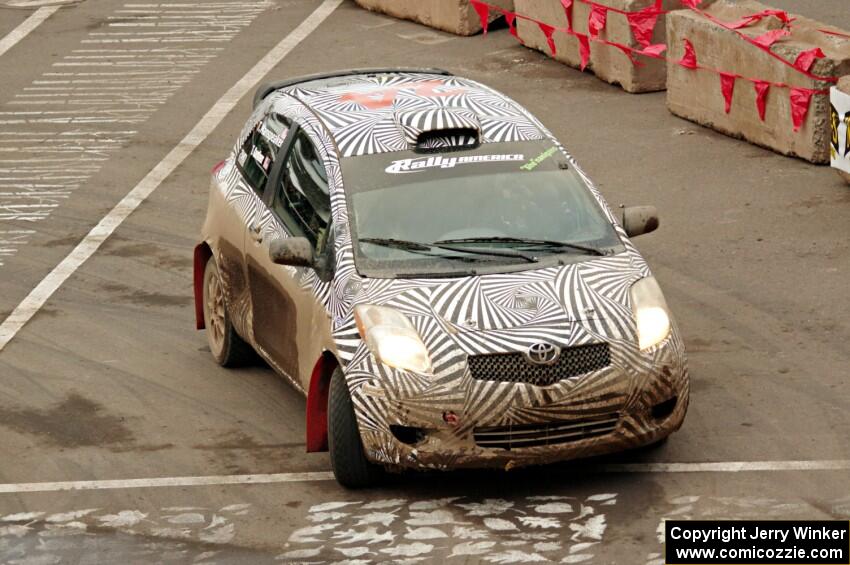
(543,353)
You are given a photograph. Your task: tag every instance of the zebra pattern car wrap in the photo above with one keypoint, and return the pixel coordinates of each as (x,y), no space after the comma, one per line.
(363,117)
(575,305)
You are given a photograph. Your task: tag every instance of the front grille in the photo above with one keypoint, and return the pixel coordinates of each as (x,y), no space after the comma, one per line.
(552,433)
(515,368)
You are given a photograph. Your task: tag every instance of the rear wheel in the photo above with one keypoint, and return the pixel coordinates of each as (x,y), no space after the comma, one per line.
(350,466)
(228,349)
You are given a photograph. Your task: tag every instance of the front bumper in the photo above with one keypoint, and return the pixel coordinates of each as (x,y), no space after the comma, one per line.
(634,402)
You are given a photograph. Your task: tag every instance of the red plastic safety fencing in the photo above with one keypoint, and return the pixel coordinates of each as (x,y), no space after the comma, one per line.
(642,24)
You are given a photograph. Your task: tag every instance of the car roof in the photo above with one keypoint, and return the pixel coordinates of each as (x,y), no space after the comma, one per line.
(267,88)
(383,110)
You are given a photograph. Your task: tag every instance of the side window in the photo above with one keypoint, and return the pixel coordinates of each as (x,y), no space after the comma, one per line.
(257,155)
(302,201)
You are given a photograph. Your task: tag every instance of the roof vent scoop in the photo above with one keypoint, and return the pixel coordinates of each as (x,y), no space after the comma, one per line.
(439,129)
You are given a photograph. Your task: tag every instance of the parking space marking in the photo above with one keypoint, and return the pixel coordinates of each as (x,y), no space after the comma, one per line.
(93,240)
(547,528)
(726,466)
(25,27)
(185,534)
(564,528)
(711,507)
(167,482)
(85,105)
(318,476)
(11,239)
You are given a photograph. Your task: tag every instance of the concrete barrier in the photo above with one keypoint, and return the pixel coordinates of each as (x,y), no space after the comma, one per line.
(695,93)
(844,86)
(455,16)
(607,62)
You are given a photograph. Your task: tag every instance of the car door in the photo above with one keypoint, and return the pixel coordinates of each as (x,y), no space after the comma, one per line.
(284,306)
(241,185)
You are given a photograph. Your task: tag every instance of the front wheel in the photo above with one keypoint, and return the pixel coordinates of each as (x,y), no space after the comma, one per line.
(350,466)
(228,349)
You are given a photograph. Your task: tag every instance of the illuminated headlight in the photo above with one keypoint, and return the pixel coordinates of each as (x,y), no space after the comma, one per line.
(391,338)
(651,313)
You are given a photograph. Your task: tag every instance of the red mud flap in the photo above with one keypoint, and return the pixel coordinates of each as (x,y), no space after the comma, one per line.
(202,255)
(317,404)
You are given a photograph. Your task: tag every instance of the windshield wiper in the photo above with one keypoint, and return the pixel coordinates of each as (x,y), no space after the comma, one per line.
(397,243)
(527,241)
(412,247)
(425,248)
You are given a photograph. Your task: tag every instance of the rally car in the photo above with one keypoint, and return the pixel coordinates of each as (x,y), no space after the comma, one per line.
(417,254)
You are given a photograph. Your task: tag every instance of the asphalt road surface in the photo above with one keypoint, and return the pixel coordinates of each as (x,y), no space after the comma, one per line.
(109,385)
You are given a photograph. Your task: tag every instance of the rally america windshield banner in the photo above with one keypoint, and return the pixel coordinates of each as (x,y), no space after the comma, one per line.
(438,161)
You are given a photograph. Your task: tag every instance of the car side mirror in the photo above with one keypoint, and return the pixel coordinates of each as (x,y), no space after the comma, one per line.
(638,220)
(292,251)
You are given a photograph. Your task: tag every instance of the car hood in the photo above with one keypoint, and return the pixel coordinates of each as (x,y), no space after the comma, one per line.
(595,290)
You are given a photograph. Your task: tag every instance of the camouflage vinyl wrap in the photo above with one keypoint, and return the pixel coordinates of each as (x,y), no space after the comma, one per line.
(577,304)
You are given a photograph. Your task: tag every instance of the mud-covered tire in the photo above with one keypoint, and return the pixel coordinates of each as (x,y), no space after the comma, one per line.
(227,348)
(348,460)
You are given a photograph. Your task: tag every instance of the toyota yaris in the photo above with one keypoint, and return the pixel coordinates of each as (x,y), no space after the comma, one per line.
(418,255)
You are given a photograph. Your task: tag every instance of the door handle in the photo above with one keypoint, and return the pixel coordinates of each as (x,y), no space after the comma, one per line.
(256,232)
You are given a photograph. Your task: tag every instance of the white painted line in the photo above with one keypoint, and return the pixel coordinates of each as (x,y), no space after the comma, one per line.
(36,3)
(320,476)
(95,238)
(726,466)
(167,482)
(26,27)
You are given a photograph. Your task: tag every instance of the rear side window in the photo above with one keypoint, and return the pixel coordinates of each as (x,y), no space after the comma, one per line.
(302,201)
(258,153)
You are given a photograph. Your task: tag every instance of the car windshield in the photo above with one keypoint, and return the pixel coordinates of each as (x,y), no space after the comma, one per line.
(499,207)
